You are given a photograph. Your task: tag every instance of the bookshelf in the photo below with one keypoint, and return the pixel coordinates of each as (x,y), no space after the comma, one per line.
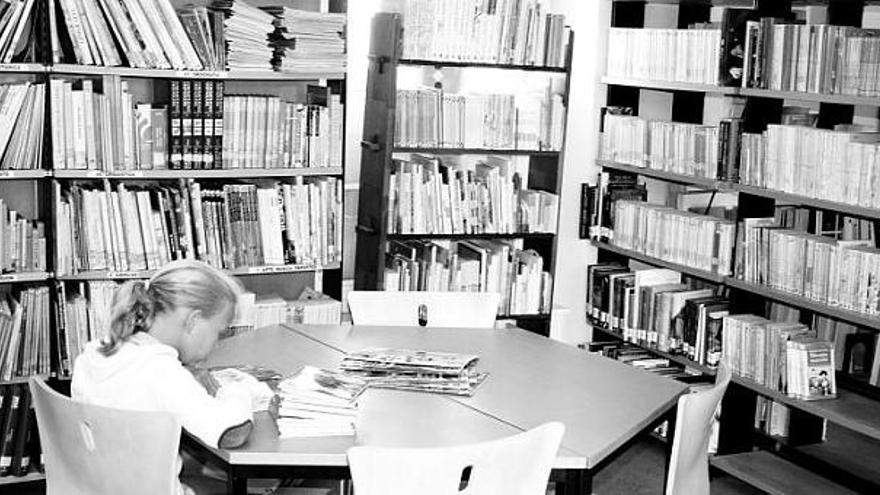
(42,165)
(382,148)
(827,440)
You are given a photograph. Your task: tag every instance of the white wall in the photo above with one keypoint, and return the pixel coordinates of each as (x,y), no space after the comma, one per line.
(590,20)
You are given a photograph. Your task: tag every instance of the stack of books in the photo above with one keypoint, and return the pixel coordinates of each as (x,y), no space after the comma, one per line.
(318,402)
(247,35)
(423,371)
(307,41)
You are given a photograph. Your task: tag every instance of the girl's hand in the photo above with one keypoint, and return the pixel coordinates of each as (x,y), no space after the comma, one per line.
(204,377)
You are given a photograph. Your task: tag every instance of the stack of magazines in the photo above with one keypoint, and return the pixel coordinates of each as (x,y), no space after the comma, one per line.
(247,35)
(317,402)
(307,41)
(424,371)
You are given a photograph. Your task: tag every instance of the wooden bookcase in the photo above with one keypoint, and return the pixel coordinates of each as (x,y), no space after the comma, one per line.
(379,151)
(33,192)
(801,462)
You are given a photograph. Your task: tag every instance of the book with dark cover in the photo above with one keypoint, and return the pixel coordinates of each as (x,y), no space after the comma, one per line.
(7,429)
(733,41)
(21,456)
(175,126)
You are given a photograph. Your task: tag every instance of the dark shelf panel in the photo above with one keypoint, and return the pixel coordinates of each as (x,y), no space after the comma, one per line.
(816,97)
(837,452)
(775,475)
(795,300)
(667,176)
(464,237)
(860,211)
(485,65)
(472,151)
(702,274)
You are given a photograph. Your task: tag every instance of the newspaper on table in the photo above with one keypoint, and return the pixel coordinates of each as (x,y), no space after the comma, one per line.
(407,369)
(318,402)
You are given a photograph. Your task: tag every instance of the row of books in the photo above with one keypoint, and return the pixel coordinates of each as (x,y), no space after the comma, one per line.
(687,149)
(840,166)
(839,273)
(228,226)
(597,202)
(812,58)
(83,313)
(224,34)
(433,118)
(18,32)
(20,451)
(517,274)
(201,128)
(856,349)
(428,195)
(680,55)
(24,333)
(500,32)
(786,357)
(22,242)
(657,308)
(698,241)
(21,125)
(310,308)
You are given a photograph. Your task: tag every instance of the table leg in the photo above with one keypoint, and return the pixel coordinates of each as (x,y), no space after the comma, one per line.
(671,418)
(236,484)
(576,482)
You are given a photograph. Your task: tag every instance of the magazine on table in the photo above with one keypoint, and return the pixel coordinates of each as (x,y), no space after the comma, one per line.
(407,360)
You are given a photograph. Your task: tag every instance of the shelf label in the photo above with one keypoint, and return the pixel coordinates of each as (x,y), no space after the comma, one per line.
(16,68)
(129,274)
(281,269)
(8,277)
(201,74)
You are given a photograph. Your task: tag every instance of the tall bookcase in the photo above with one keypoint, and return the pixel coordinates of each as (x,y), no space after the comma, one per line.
(37,194)
(832,445)
(380,149)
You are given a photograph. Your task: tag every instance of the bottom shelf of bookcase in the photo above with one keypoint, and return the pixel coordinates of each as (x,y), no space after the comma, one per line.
(775,475)
(28,478)
(837,453)
(851,410)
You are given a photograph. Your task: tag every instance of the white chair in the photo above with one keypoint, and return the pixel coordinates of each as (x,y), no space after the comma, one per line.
(93,450)
(434,309)
(516,465)
(689,465)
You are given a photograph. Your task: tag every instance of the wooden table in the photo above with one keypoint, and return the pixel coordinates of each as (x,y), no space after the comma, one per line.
(603,404)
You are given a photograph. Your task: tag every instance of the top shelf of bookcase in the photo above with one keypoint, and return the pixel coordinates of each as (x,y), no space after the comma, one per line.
(233,75)
(736,91)
(484,65)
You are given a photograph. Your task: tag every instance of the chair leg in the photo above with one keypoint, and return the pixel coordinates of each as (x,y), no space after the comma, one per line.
(346,487)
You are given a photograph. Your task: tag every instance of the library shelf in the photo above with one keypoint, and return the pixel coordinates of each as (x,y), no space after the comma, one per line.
(486,65)
(836,452)
(30,477)
(22,68)
(138,274)
(702,274)
(856,210)
(473,151)
(234,75)
(669,85)
(690,180)
(9,278)
(221,173)
(24,379)
(24,174)
(814,97)
(525,317)
(795,300)
(464,237)
(775,475)
(675,358)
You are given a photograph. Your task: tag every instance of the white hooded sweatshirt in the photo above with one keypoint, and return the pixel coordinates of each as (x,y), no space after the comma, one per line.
(147,375)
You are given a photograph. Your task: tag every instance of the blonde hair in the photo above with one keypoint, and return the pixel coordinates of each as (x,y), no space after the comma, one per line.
(183,283)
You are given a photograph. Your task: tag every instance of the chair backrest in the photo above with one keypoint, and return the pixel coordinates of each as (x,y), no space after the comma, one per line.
(93,450)
(689,465)
(437,309)
(515,465)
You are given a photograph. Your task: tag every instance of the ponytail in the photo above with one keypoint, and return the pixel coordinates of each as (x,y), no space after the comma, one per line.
(182,283)
(132,311)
